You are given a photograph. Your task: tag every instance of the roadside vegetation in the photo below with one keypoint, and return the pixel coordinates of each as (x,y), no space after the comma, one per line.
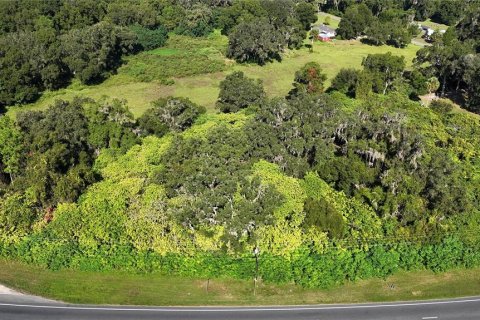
(123,288)
(182,147)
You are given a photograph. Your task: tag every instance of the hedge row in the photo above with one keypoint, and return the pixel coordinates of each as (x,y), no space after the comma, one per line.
(310,270)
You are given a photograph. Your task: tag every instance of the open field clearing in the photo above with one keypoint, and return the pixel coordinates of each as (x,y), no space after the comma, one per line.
(202,87)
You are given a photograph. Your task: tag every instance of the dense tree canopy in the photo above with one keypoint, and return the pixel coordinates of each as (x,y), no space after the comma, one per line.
(171,114)
(90,53)
(255,41)
(455,63)
(149,39)
(309,79)
(266,28)
(352,182)
(385,69)
(356,19)
(239,92)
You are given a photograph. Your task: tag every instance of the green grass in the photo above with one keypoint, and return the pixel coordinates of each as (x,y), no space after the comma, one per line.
(184,60)
(429,23)
(165,51)
(154,289)
(334,20)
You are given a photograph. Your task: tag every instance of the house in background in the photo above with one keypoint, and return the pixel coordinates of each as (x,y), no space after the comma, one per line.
(429,31)
(325,33)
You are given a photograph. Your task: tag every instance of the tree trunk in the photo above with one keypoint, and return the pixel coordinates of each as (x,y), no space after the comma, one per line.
(444,85)
(386,81)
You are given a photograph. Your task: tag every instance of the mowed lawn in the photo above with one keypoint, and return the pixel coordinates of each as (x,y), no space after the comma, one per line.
(154,289)
(203,88)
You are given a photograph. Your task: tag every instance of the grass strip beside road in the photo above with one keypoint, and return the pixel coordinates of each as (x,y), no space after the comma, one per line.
(154,289)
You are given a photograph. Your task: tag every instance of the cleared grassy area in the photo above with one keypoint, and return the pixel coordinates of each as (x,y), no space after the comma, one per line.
(176,60)
(154,289)
(434,25)
(334,20)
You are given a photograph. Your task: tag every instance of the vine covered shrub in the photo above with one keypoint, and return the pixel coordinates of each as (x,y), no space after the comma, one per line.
(303,267)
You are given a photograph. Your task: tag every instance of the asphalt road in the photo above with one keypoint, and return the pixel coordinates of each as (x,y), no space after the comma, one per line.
(14,307)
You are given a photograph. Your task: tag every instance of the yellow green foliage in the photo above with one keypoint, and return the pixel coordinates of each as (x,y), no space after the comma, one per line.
(362,221)
(285,235)
(140,161)
(207,122)
(149,225)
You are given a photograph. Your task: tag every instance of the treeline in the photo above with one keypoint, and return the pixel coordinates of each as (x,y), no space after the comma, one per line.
(454,58)
(393,22)
(258,31)
(45,44)
(442,11)
(392,26)
(46,157)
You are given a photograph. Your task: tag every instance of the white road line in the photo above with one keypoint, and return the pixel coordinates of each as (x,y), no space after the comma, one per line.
(265,309)
(426,318)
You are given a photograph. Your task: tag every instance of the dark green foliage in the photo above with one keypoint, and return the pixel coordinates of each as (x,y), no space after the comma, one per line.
(309,79)
(287,132)
(281,15)
(354,22)
(48,156)
(127,13)
(239,92)
(198,21)
(171,114)
(21,15)
(424,9)
(265,28)
(256,42)
(149,39)
(10,151)
(211,176)
(239,11)
(58,149)
(419,84)
(111,125)
(306,14)
(30,63)
(345,81)
(393,32)
(467,27)
(441,106)
(471,79)
(382,22)
(363,88)
(91,53)
(377,32)
(453,62)
(78,14)
(323,215)
(448,12)
(385,69)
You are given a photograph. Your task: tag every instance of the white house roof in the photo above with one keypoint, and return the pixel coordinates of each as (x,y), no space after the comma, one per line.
(324,29)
